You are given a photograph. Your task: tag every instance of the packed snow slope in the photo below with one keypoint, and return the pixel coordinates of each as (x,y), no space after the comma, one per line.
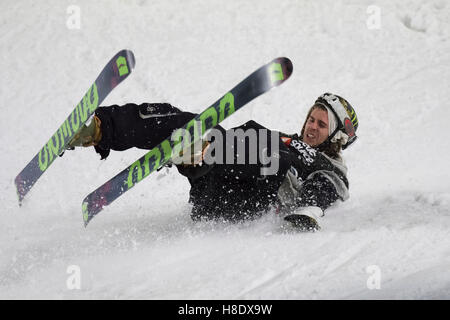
(390,59)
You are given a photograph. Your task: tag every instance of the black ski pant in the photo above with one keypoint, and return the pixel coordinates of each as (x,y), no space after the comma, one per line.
(142,126)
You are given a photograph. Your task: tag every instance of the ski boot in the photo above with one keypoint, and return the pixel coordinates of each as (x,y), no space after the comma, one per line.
(88,136)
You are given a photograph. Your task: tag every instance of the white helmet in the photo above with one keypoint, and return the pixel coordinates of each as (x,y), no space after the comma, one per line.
(347,122)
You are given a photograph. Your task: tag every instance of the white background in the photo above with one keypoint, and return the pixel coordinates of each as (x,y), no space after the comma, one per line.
(190,53)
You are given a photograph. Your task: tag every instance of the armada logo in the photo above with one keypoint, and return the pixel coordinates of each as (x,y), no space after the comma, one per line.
(59,140)
(121,63)
(276,72)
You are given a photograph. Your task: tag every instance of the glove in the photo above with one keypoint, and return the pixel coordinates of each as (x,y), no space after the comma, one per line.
(88,135)
(305,219)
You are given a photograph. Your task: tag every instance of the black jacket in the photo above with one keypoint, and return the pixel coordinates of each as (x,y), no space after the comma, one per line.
(305,177)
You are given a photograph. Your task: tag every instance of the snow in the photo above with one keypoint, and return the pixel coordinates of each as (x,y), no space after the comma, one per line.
(394,228)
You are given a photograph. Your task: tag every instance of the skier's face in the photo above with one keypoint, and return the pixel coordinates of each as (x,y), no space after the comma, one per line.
(316,128)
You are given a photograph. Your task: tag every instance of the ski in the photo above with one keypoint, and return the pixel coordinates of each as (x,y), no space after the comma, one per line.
(262,80)
(117,69)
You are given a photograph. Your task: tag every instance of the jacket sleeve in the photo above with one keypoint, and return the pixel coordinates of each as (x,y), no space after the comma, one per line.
(313,179)
(141,126)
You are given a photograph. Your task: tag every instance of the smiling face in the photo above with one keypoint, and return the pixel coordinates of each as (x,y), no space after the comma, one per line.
(316,127)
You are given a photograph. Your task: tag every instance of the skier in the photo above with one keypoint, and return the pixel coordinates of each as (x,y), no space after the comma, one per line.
(311,173)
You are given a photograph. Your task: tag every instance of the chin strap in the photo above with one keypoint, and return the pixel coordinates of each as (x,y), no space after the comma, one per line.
(324,145)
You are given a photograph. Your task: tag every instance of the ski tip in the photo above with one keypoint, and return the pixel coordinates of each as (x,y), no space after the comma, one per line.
(19,196)
(130,58)
(91,206)
(21,191)
(289,67)
(286,65)
(278,71)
